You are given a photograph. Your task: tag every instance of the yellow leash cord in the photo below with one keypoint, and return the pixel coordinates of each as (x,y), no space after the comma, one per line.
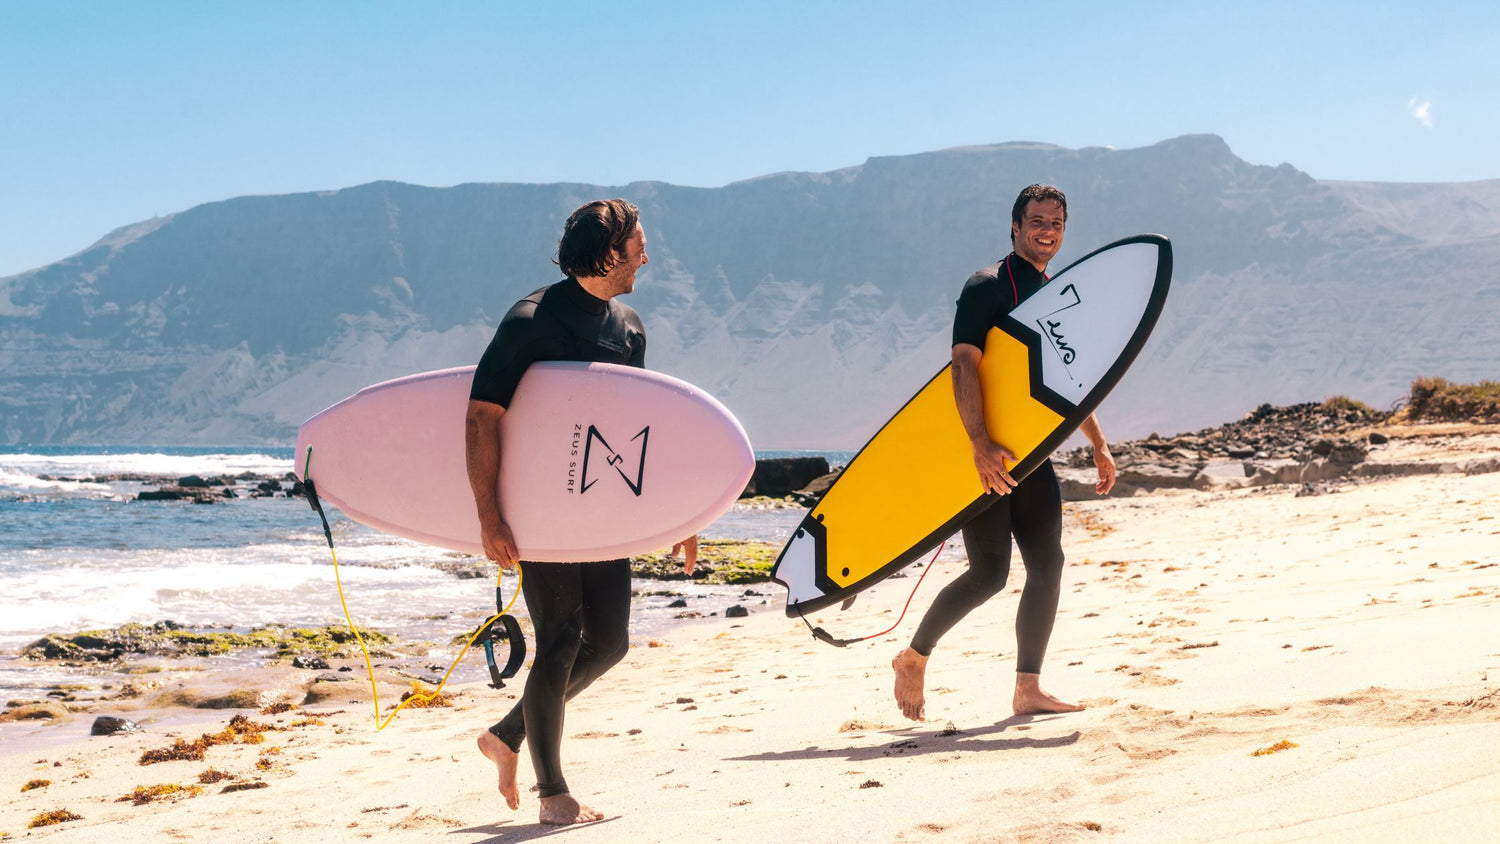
(364,649)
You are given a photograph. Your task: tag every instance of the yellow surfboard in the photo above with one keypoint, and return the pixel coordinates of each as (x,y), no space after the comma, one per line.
(1046,366)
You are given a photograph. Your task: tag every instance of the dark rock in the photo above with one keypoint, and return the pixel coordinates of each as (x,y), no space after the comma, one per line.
(1377,438)
(778,477)
(195,482)
(106,725)
(678,604)
(1348,453)
(1239,451)
(313,663)
(80,648)
(200,495)
(819,485)
(736,611)
(1482,466)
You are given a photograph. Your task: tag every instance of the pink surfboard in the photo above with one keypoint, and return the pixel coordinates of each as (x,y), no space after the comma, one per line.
(598,461)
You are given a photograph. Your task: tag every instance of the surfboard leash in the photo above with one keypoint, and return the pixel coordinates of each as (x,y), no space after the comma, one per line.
(824,636)
(509,630)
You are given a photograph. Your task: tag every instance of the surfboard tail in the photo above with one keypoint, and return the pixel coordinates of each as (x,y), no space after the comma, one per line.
(797,567)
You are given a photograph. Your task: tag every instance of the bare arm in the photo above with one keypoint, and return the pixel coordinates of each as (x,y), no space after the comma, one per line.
(989,456)
(1103,460)
(482,453)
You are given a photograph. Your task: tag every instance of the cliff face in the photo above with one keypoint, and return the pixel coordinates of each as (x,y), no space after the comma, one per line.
(812,304)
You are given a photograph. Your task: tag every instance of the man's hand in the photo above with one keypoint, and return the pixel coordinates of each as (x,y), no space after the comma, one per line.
(689,548)
(1102,458)
(1105,462)
(499,543)
(990,458)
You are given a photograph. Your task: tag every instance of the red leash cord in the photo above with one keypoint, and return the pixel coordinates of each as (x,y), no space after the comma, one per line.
(824,636)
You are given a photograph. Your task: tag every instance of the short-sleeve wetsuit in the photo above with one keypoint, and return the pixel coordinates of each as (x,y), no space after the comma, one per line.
(1032,512)
(580,611)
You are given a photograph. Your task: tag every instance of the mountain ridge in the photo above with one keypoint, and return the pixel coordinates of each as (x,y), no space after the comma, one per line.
(812,304)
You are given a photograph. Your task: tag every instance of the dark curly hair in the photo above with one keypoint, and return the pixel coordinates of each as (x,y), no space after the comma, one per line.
(1039,192)
(593,239)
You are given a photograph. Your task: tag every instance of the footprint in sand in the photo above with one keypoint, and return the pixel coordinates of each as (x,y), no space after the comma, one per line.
(1145,675)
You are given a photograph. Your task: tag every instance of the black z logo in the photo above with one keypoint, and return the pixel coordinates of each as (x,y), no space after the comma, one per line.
(614,459)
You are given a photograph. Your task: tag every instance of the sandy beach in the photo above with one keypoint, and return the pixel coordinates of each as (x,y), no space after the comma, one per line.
(1258,665)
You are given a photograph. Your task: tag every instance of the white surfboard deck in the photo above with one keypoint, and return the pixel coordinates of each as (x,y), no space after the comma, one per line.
(598,461)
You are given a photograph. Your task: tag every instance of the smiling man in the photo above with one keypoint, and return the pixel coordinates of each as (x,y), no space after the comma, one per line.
(1030,510)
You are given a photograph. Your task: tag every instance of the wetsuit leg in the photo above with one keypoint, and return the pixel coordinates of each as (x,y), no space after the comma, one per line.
(1036,517)
(581,615)
(987,540)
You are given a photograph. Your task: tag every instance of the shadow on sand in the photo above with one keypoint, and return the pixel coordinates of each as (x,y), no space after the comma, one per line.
(917,740)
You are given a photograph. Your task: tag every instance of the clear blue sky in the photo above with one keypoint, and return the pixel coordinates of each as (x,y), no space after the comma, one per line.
(114,112)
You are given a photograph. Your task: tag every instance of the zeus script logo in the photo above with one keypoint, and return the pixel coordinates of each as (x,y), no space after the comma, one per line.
(1052,328)
(599,457)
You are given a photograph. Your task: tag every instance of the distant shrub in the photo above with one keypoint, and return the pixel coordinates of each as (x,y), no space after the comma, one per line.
(1440,400)
(1339,403)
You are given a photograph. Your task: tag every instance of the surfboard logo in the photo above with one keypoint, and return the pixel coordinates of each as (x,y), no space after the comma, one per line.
(1052,328)
(599,461)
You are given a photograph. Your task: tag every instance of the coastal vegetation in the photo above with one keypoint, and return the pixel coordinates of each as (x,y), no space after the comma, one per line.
(166,638)
(1439,400)
(1346,404)
(720,562)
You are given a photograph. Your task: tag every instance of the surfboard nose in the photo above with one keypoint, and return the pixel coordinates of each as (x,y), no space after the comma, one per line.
(796,568)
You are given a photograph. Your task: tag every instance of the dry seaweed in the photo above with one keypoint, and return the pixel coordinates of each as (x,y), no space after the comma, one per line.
(425,699)
(1275,748)
(240,729)
(178,751)
(53,817)
(213,775)
(144,794)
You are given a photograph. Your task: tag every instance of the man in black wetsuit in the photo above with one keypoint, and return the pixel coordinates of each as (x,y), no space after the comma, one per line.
(580,611)
(1031,510)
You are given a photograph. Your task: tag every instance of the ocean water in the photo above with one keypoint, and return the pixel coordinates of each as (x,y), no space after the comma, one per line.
(77,552)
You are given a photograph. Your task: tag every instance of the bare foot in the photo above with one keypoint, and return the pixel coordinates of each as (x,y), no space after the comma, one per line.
(562,809)
(911,674)
(1031,700)
(505,764)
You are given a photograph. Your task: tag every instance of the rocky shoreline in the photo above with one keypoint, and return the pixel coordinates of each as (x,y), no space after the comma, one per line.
(1312,445)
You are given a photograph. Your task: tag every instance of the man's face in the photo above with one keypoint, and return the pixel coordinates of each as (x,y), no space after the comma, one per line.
(1040,233)
(622,274)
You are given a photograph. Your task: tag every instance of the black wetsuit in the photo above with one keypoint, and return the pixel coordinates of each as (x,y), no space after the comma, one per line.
(1032,512)
(580,611)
